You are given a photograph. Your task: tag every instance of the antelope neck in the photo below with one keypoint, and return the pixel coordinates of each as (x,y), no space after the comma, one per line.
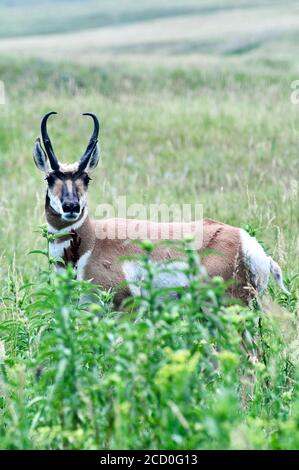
(85,231)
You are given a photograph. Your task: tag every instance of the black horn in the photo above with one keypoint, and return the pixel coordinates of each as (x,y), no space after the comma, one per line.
(91,144)
(47,142)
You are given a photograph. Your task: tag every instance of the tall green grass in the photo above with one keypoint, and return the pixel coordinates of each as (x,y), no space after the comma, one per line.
(195,372)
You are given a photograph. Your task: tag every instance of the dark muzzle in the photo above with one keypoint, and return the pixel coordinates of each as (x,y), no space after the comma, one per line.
(71,207)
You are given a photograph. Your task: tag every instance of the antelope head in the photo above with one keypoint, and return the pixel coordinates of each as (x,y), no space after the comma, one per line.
(66,183)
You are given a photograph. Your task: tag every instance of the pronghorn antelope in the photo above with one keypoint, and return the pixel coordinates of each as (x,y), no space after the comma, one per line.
(241,257)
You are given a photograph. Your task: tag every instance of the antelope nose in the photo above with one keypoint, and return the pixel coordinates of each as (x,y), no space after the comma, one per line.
(71,206)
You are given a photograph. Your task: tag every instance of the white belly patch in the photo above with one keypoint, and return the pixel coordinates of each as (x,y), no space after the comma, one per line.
(171,274)
(81,265)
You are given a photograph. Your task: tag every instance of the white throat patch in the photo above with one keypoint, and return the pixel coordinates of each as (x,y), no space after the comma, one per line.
(56,248)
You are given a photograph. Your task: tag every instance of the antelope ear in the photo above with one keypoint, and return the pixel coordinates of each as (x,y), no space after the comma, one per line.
(40,158)
(93,160)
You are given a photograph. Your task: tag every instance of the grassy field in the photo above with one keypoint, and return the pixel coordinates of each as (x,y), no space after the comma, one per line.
(194,103)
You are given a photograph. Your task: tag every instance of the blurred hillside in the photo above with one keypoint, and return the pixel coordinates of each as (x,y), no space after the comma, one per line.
(92,31)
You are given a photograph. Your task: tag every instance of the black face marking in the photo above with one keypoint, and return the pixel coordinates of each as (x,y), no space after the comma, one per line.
(68,190)
(50,180)
(67,193)
(85,179)
(69,176)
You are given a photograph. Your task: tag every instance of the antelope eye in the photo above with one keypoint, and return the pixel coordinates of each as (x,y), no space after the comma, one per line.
(50,180)
(86,179)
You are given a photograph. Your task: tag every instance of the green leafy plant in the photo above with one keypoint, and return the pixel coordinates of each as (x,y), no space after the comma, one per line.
(186,369)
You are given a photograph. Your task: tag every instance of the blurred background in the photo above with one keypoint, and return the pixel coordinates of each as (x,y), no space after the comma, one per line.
(150,29)
(194,102)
